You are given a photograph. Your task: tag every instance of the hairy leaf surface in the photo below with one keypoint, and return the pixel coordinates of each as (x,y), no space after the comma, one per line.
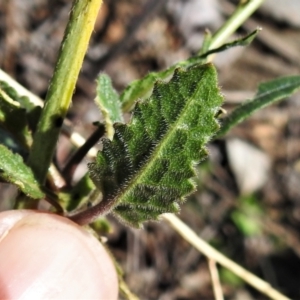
(14,170)
(146,169)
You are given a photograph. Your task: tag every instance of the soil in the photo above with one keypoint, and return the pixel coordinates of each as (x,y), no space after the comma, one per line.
(132,38)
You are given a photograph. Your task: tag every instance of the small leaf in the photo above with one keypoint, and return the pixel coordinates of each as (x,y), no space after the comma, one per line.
(246,217)
(33,112)
(146,169)
(245,223)
(13,170)
(240,42)
(142,88)
(13,119)
(109,103)
(102,226)
(78,195)
(268,93)
(11,92)
(228,277)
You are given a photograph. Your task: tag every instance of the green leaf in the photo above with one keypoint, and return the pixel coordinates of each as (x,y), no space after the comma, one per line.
(245,223)
(228,277)
(102,226)
(268,93)
(246,217)
(240,42)
(142,88)
(78,195)
(33,112)
(109,103)
(146,169)
(13,170)
(13,119)
(11,92)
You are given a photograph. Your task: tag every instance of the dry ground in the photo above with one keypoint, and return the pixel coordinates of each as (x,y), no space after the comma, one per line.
(133,37)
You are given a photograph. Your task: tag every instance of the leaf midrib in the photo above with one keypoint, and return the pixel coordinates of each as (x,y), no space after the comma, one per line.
(278,89)
(155,154)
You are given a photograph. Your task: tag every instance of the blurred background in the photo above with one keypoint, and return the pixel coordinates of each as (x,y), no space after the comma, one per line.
(248,199)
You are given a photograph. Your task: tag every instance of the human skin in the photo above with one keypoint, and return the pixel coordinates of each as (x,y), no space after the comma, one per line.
(45,256)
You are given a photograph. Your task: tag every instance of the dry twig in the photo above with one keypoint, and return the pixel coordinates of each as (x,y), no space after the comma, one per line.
(190,236)
(215,279)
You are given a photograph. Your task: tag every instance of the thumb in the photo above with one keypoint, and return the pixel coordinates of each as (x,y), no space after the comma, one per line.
(45,256)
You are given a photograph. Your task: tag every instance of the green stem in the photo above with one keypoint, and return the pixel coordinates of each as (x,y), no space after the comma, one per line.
(244,10)
(62,85)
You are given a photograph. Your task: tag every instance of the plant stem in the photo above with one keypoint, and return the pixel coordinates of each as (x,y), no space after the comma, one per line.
(216,284)
(244,10)
(62,85)
(90,214)
(71,165)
